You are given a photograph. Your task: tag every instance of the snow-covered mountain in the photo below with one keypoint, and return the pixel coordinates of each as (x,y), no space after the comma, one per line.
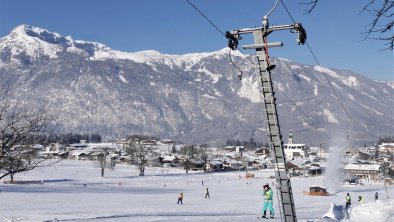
(89,87)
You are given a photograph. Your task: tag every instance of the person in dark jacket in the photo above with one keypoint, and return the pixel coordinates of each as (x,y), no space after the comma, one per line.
(207,193)
(180,198)
(376,196)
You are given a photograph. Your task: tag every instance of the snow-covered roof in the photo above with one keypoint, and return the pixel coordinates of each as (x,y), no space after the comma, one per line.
(216,162)
(78,152)
(233,161)
(113,155)
(169,158)
(38,146)
(313,168)
(320,186)
(262,157)
(294,144)
(79,145)
(373,167)
(102,145)
(387,144)
(365,152)
(383,156)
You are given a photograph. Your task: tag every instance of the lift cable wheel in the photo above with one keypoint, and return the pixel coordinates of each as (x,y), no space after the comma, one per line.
(232,42)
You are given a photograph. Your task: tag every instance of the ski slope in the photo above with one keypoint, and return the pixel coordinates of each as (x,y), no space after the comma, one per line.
(74,191)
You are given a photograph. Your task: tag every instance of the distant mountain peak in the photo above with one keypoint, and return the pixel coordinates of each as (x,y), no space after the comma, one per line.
(24,29)
(25,43)
(40,33)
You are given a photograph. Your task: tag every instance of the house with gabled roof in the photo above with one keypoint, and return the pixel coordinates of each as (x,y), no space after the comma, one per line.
(363,171)
(262,151)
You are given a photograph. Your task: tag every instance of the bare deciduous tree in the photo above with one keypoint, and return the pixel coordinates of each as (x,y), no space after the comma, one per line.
(16,125)
(204,157)
(188,151)
(140,154)
(104,161)
(380,28)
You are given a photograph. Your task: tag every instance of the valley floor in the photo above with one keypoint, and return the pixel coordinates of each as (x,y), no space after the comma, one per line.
(74,191)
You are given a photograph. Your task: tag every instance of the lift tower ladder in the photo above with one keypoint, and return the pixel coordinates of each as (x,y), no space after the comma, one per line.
(261,46)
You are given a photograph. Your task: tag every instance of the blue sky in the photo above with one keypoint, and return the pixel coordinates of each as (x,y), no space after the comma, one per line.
(172,26)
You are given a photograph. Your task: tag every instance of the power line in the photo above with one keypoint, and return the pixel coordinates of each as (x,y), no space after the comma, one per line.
(336,95)
(298,108)
(309,118)
(273,8)
(288,12)
(287,97)
(213,24)
(325,75)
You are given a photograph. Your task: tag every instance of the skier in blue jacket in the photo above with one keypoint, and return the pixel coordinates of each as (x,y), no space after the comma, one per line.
(268,201)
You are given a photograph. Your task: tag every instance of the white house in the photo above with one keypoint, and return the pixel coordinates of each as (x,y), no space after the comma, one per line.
(363,171)
(386,147)
(294,150)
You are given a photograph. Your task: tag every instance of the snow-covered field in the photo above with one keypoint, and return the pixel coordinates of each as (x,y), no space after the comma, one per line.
(74,191)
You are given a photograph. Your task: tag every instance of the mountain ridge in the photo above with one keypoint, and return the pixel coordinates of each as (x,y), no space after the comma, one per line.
(195,97)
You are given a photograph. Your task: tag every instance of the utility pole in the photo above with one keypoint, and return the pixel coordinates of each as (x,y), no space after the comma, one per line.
(261,46)
(347,140)
(320,145)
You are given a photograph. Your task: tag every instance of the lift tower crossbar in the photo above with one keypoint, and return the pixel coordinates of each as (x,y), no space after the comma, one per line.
(261,46)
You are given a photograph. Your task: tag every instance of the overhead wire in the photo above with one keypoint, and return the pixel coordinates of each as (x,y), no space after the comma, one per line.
(273,8)
(309,119)
(287,97)
(213,24)
(326,77)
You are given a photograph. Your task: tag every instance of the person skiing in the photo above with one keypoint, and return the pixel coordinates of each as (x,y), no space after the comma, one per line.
(180,198)
(207,193)
(361,200)
(267,201)
(376,196)
(348,201)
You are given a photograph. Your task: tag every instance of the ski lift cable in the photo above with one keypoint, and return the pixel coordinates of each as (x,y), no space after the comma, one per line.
(326,77)
(308,118)
(213,24)
(299,109)
(220,31)
(287,97)
(337,96)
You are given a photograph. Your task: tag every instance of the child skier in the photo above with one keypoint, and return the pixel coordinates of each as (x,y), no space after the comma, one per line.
(268,201)
(361,200)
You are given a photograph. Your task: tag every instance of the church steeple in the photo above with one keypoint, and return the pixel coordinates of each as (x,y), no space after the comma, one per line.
(290,141)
